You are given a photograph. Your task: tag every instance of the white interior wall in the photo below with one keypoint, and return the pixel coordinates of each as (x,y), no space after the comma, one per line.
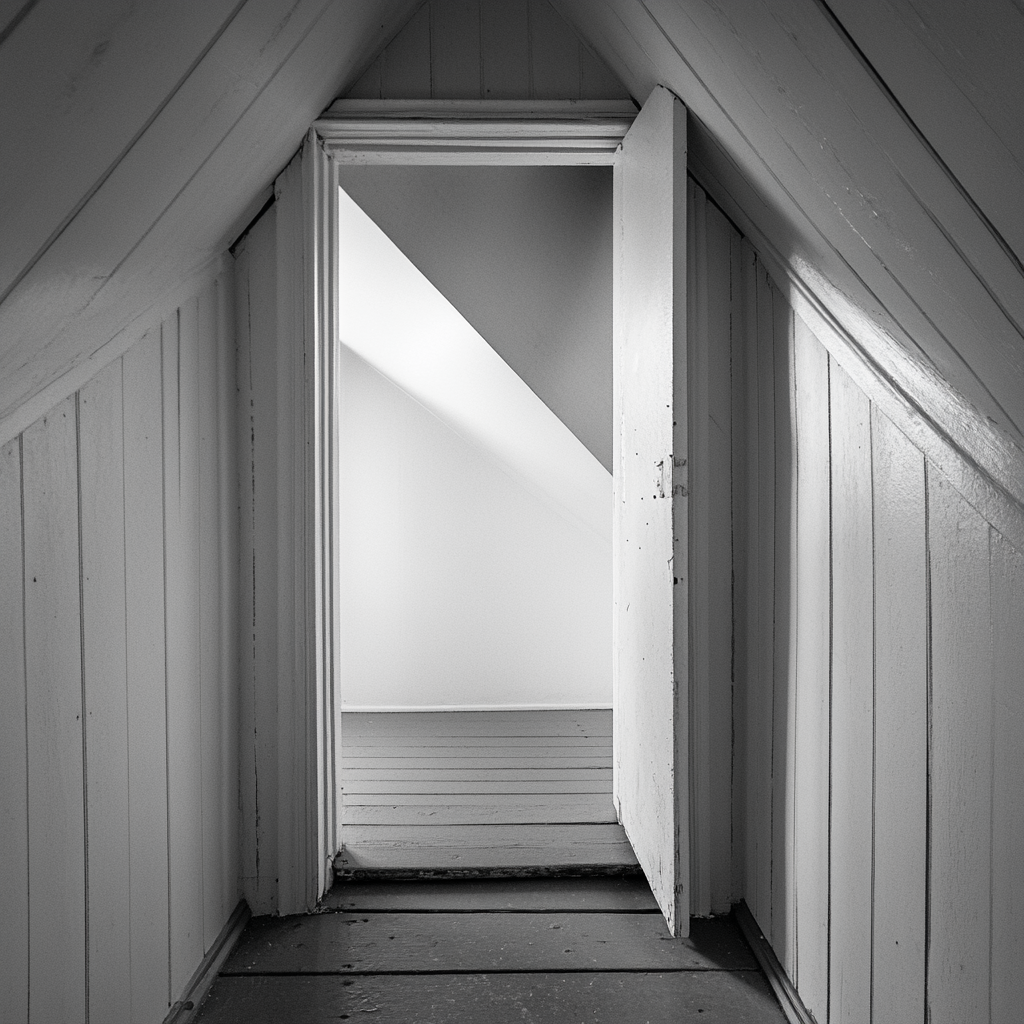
(460,586)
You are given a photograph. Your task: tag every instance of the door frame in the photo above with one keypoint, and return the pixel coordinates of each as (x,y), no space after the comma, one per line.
(427,132)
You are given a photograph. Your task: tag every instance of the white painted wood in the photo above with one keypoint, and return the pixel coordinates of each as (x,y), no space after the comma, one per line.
(57,891)
(505,49)
(181,570)
(652,607)
(850,855)
(900,804)
(948,82)
(813,669)
(455,50)
(209,607)
(699,560)
(760,322)
(475,132)
(229,641)
(145,651)
(98,47)
(307,678)
(960,759)
(554,54)
(785,617)
(14,894)
(101,464)
(758,161)
(1007,577)
(179,196)
(405,62)
(257,358)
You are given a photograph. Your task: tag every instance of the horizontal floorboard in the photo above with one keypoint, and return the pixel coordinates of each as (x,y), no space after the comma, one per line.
(740,997)
(582,809)
(438,762)
(463,786)
(540,895)
(425,745)
(343,943)
(479,723)
(479,774)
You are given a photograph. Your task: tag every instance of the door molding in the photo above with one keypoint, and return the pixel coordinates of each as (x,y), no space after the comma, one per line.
(483,132)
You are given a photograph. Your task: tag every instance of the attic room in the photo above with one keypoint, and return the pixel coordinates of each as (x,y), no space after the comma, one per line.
(823,208)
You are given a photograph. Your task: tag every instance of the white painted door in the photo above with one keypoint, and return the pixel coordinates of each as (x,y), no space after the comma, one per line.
(651,504)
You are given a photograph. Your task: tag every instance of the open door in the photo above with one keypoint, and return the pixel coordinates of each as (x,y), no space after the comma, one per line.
(650,538)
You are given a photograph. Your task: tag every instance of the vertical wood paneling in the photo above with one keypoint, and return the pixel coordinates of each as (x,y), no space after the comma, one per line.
(785,641)
(763,659)
(959,952)
(720,237)
(184,736)
(147,719)
(455,68)
(228,641)
(210,627)
(101,464)
(13,766)
(56,779)
(597,81)
(258,597)
(850,851)
(505,39)
(1007,575)
(554,54)
(405,68)
(700,557)
(813,669)
(901,736)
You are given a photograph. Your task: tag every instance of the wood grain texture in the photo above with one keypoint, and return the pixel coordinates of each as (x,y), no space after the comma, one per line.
(537,895)
(56,736)
(184,736)
(1007,588)
(14,895)
(349,943)
(101,463)
(813,669)
(210,633)
(562,808)
(228,515)
(736,996)
(901,726)
(960,841)
(492,849)
(785,611)
(651,609)
(147,716)
(468,49)
(851,847)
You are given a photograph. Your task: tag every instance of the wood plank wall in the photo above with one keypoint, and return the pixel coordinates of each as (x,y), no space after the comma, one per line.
(879,692)
(118,738)
(487,49)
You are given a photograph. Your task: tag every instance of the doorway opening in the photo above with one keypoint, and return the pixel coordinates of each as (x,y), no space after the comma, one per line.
(476,555)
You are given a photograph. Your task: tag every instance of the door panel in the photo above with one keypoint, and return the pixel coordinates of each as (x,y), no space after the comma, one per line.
(651,502)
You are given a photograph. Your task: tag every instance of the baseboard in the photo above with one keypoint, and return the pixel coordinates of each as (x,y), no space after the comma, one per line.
(187,1007)
(787,995)
(363,709)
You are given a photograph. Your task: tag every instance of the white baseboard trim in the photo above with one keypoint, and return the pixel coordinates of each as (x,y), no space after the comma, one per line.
(367,708)
(784,989)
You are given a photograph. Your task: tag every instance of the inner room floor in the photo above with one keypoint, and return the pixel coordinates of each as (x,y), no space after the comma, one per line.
(490,951)
(479,791)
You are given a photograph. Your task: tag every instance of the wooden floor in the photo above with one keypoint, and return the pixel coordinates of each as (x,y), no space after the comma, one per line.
(479,792)
(536,950)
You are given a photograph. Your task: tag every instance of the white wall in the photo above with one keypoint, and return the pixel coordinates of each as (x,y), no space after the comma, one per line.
(525,255)
(118,664)
(879,702)
(460,586)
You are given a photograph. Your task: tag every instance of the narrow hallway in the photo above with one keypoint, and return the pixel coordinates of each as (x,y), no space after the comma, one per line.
(490,951)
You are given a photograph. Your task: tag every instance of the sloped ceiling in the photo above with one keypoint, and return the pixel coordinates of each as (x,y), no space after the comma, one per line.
(872,149)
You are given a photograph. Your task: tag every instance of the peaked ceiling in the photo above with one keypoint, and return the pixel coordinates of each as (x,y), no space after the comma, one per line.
(873,150)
